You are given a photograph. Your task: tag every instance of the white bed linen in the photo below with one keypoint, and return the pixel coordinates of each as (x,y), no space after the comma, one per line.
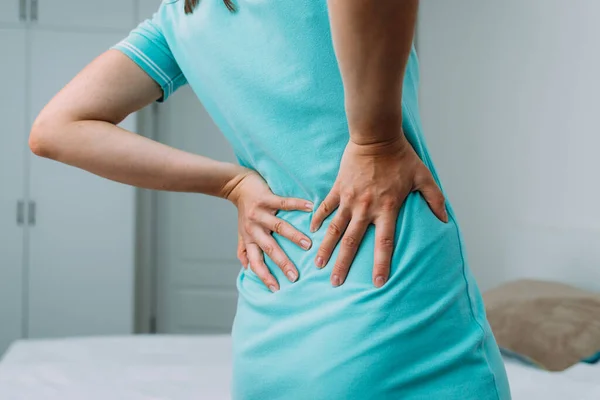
(118,368)
(580,382)
(193,368)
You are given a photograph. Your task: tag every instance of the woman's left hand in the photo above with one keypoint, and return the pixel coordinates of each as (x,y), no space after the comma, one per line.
(372,183)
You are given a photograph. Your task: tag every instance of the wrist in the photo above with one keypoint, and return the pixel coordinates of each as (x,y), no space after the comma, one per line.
(374,129)
(387,139)
(237,175)
(388,147)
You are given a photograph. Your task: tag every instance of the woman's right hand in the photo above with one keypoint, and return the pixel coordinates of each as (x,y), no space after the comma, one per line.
(257,207)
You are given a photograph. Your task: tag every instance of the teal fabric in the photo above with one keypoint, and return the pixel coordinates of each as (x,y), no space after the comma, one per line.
(268,76)
(593,359)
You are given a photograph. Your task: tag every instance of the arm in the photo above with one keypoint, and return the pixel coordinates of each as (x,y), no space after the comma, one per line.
(79,127)
(379,168)
(372,41)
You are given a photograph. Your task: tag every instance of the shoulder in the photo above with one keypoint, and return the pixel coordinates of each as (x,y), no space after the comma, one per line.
(168,15)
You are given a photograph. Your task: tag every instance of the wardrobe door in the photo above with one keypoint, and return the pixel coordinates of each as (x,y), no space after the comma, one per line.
(82,244)
(13,11)
(13,132)
(85,14)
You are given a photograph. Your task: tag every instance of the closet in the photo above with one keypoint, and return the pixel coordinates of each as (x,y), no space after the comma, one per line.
(66,237)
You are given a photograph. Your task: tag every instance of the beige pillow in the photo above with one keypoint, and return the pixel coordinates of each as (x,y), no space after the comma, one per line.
(551,324)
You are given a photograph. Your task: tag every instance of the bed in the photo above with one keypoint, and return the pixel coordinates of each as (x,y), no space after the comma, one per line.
(161,367)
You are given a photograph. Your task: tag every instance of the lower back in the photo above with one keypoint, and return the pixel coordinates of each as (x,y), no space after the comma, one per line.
(422,336)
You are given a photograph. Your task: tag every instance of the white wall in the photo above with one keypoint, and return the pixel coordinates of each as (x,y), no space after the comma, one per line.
(510,103)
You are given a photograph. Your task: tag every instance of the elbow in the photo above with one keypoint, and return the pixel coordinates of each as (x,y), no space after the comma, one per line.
(37,140)
(42,138)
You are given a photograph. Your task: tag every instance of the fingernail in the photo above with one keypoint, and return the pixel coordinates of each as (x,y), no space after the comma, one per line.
(319,262)
(273,288)
(445,216)
(312,229)
(305,244)
(309,206)
(292,276)
(335,280)
(379,281)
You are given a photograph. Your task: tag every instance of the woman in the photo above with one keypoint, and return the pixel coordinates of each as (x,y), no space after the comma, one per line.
(319,101)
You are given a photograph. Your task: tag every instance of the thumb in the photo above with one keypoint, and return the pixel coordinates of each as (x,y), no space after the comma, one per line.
(432,194)
(327,206)
(241,252)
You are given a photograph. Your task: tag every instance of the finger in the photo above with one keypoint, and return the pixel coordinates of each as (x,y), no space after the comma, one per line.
(327,206)
(432,194)
(290,204)
(272,249)
(257,264)
(336,228)
(348,248)
(283,228)
(242,255)
(385,229)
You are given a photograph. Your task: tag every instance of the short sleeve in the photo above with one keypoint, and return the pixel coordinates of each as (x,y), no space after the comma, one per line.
(148,48)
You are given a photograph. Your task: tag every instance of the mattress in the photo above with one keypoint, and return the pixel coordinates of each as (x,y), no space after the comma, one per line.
(193,367)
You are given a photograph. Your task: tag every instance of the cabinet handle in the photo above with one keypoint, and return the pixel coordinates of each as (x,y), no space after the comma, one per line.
(22,10)
(20,212)
(31,213)
(34,10)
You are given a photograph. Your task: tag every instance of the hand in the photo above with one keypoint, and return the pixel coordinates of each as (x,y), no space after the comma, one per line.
(257,207)
(371,186)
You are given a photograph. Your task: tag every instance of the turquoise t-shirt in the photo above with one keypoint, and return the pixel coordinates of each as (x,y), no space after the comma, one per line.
(268,76)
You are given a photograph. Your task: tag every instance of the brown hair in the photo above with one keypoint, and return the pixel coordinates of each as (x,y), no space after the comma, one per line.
(191,4)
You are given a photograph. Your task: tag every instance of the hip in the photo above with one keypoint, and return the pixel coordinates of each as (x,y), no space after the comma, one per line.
(422,335)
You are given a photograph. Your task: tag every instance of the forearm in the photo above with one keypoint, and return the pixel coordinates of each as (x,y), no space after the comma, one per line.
(109,151)
(372,41)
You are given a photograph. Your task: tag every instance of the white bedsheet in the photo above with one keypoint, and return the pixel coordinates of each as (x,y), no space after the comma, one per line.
(193,368)
(580,382)
(118,368)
